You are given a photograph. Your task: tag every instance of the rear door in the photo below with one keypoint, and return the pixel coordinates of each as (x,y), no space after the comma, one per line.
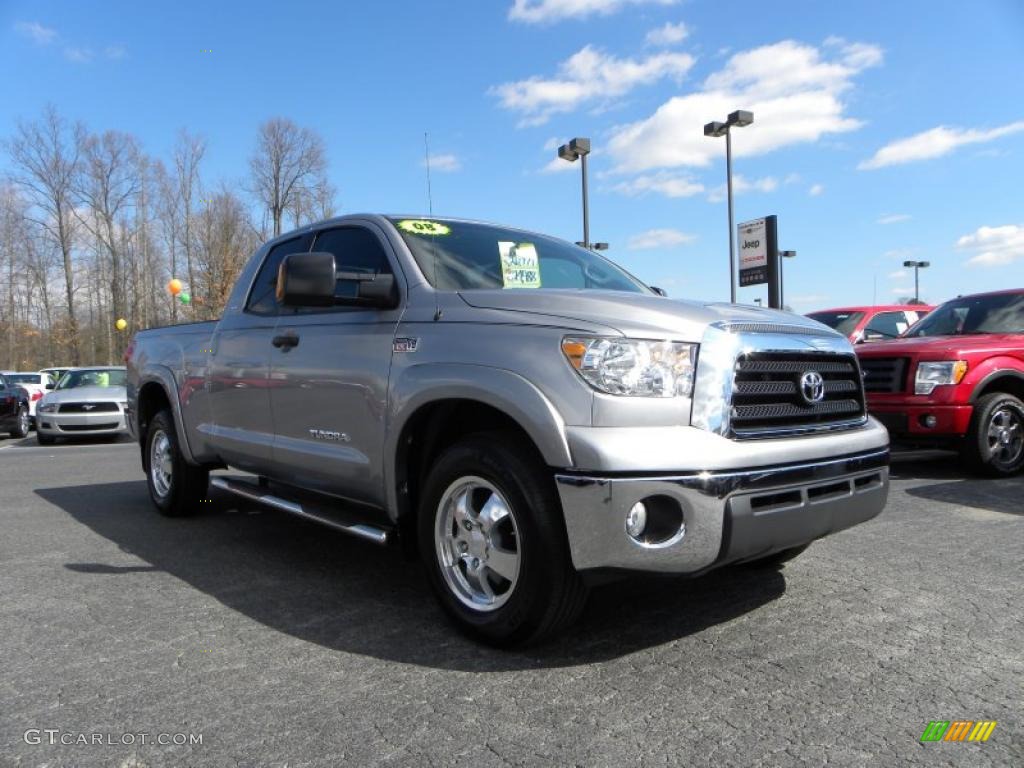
(329,391)
(243,429)
(8,400)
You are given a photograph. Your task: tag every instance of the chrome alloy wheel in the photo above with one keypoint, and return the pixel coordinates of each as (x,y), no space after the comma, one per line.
(1006,436)
(23,420)
(161,464)
(477,543)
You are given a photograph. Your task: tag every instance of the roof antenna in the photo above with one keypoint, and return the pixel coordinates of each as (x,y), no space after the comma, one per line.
(430,209)
(430,196)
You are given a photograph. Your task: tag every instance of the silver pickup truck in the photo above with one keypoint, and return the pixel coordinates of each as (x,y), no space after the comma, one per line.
(519,412)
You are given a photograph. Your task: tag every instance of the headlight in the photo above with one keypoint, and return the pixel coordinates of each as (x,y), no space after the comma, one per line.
(47,408)
(633,366)
(931,375)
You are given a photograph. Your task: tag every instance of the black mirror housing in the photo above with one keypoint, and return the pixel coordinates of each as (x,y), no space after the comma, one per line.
(306,280)
(659,291)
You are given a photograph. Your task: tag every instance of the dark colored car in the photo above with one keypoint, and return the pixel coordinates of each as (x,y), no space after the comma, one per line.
(956,380)
(14,409)
(877,323)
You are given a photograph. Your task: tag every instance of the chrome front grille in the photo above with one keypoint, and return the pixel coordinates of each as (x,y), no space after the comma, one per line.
(768,398)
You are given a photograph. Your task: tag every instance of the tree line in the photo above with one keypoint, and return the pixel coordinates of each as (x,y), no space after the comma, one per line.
(92,228)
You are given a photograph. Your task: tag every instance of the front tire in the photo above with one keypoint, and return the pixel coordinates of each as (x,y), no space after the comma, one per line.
(493,542)
(21,425)
(45,439)
(994,445)
(175,486)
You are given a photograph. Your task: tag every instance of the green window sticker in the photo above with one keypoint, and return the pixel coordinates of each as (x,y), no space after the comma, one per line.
(424,227)
(520,267)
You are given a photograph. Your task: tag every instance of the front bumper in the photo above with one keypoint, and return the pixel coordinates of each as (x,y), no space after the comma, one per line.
(81,424)
(728,516)
(907,419)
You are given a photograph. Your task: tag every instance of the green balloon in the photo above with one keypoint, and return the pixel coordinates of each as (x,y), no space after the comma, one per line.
(185,298)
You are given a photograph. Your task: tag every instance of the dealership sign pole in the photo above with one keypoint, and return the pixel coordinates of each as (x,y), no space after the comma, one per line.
(759,255)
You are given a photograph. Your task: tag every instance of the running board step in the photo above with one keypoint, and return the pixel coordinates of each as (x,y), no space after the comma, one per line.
(376,534)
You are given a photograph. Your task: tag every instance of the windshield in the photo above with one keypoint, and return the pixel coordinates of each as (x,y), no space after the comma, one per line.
(994,313)
(459,256)
(94,377)
(844,322)
(24,378)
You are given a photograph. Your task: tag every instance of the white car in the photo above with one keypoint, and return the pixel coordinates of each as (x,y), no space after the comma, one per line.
(36,384)
(86,402)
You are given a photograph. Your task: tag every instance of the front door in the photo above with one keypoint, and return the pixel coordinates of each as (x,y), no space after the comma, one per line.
(242,429)
(329,390)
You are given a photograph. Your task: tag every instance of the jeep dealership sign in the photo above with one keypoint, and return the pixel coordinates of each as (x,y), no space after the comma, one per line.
(758,249)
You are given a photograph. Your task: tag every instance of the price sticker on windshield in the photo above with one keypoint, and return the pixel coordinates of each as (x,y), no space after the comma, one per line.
(424,227)
(520,266)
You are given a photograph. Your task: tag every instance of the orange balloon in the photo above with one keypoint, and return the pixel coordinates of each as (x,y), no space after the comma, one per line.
(174,287)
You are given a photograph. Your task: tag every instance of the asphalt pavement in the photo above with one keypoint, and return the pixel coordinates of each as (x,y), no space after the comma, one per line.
(279,643)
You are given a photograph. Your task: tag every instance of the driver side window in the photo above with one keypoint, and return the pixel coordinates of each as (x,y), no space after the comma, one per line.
(885,325)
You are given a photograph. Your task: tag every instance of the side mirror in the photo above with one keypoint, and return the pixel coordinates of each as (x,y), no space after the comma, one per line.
(306,280)
(659,291)
(376,290)
(49,385)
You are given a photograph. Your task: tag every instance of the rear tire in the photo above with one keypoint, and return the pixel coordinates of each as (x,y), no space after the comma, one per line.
(994,445)
(175,486)
(21,425)
(493,542)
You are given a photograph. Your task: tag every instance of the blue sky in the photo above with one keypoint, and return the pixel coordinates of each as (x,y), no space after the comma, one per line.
(883,131)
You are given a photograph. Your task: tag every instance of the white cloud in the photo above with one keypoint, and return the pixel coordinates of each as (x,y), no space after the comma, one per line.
(542,11)
(552,144)
(115,51)
(899,274)
(793,91)
(444,163)
(994,246)
(78,55)
(589,75)
(934,143)
(893,218)
(741,184)
(659,238)
(35,32)
(558,165)
(669,34)
(816,189)
(665,183)
(903,291)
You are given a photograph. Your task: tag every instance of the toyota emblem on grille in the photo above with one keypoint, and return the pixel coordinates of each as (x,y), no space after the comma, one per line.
(812,387)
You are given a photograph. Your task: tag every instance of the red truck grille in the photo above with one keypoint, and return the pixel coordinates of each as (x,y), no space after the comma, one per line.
(884,374)
(768,397)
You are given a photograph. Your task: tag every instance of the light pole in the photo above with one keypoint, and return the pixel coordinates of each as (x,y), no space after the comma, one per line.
(578,149)
(739,118)
(916,265)
(782,290)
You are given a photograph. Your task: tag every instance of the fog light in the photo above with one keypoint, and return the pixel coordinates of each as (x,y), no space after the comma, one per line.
(636,520)
(929,421)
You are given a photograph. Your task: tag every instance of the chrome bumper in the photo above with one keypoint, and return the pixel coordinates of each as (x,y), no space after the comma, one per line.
(728,516)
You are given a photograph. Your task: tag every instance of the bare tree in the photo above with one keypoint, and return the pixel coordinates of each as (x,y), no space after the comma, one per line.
(287,160)
(45,162)
(107,187)
(225,241)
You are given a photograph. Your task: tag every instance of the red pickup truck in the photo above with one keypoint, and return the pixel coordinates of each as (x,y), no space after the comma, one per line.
(956,380)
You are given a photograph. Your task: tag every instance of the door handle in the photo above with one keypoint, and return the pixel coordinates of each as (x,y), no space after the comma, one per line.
(286,341)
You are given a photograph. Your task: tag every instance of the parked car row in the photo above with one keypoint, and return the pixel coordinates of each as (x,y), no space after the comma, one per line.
(953,380)
(80,402)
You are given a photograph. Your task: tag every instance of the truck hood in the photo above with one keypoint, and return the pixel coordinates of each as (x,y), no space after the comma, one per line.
(634,314)
(938,347)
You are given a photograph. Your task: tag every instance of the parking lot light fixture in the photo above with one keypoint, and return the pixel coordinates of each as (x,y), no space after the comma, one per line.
(578,149)
(738,119)
(917,265)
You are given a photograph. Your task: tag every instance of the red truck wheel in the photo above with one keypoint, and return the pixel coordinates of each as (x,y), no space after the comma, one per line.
(995,441)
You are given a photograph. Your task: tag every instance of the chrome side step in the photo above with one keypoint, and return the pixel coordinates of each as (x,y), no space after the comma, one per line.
(255,493)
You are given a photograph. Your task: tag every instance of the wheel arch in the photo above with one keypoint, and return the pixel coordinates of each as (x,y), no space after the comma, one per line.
(155,390)
(1001,380)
